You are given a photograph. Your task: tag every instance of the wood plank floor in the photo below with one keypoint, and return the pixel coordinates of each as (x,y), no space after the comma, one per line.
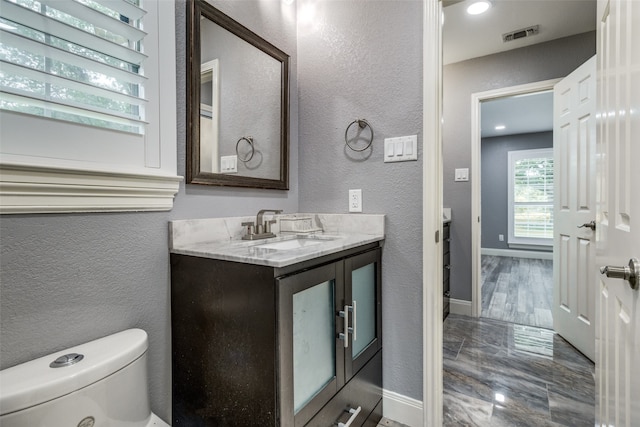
(518,290)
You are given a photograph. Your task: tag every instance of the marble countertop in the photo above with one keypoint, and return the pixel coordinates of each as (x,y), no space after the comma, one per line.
(220,238)
(252,252)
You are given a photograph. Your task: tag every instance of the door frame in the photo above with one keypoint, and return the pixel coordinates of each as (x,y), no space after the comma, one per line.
(432,296)
(476,187)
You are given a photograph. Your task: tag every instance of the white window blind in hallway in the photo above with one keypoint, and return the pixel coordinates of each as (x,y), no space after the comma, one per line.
(79,61)
(531,197)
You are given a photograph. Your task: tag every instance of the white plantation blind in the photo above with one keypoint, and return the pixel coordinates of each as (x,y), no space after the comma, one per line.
(531,196)
(79,61)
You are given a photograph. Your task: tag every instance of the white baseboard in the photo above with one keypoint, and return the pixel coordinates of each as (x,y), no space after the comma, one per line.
(401,408)
(460,306)
(516,253)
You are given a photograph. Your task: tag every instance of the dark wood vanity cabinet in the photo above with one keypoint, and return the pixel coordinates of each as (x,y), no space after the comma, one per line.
(262,346)
(446,261)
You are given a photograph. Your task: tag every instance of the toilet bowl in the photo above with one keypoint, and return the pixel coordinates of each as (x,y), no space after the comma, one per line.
(102,383)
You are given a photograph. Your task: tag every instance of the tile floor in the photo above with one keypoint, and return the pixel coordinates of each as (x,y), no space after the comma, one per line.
(518,290)
(503,374)
(385,422)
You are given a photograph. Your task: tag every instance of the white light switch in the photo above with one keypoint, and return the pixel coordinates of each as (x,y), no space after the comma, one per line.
(462,174)
(401,149)
(389,148)
(408,146)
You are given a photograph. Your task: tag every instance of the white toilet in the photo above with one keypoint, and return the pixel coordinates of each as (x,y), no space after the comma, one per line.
(99,384)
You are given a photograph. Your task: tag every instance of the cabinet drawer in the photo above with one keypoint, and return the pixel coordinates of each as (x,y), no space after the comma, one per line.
(364,391)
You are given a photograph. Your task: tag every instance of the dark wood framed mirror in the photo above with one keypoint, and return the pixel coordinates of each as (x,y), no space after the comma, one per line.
(237,104)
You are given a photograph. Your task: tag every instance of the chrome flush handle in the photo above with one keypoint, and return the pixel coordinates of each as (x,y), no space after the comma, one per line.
(629,273)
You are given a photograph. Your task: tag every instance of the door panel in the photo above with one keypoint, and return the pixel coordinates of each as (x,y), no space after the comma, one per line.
(618,199)
(574,146)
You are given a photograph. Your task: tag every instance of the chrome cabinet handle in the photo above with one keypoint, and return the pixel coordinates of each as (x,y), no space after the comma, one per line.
(354,330)
(630,273)
(344,334)
(591,225)
(354,414)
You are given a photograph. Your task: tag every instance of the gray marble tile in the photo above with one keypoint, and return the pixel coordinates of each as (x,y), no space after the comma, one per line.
(466,378)
(385,422)
(530,376)
(568,411)
(463,410)
(503,417)
(451,346)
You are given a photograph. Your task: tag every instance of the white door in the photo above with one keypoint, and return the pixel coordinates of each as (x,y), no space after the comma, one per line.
(618,200)
(574,142)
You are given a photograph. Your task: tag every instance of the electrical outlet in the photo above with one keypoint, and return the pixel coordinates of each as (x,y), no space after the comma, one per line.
(501,237)
(355,200)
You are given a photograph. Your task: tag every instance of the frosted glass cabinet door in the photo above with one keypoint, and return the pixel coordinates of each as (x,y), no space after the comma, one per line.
(314,343)
(363,287)
(311,357)
(363,293)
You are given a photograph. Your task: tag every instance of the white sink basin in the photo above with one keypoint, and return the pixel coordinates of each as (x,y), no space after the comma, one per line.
(287,245)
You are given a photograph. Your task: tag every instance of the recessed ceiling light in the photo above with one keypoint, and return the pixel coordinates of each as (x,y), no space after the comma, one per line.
(478,7)
(501,127)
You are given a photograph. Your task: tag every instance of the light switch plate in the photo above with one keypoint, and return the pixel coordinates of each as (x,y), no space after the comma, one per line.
(401,149)
(229,164)
(462,174)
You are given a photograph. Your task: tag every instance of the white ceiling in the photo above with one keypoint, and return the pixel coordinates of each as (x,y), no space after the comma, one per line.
(519,114)
(466,36)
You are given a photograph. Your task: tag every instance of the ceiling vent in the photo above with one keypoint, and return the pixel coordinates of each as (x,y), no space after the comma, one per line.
(520,34)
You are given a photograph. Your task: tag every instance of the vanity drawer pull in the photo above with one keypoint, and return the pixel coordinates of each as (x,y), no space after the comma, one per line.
(354,414)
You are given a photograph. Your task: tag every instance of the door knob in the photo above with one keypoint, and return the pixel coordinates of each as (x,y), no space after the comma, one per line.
(630,273)
(591,225)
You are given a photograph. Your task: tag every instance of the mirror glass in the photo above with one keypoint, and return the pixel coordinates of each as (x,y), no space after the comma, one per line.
(238,106)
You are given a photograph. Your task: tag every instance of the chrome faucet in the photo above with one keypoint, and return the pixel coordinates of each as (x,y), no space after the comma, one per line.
(260,230)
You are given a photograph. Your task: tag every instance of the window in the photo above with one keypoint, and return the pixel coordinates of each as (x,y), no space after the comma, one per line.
(531,197)
(82,127)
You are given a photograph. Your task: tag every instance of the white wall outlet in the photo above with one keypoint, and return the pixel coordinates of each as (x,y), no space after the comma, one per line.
(355,200)
(501,237)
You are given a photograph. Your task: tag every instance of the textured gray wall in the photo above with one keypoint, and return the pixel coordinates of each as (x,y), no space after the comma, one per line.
(68,279)
(494,181)
(535,63)
(363,59)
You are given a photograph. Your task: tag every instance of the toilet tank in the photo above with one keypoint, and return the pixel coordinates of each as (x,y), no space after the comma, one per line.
(106,387)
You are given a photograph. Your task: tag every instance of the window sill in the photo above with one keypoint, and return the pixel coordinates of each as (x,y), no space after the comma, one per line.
(46,189)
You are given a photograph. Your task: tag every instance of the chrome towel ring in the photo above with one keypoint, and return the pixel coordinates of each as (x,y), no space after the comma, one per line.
(362,123)
(249,140)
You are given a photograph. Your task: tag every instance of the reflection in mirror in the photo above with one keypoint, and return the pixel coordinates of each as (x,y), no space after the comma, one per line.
(238,109)
(209,116)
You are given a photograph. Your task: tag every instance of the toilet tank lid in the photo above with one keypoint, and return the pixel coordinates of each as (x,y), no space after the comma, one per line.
(34,382)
